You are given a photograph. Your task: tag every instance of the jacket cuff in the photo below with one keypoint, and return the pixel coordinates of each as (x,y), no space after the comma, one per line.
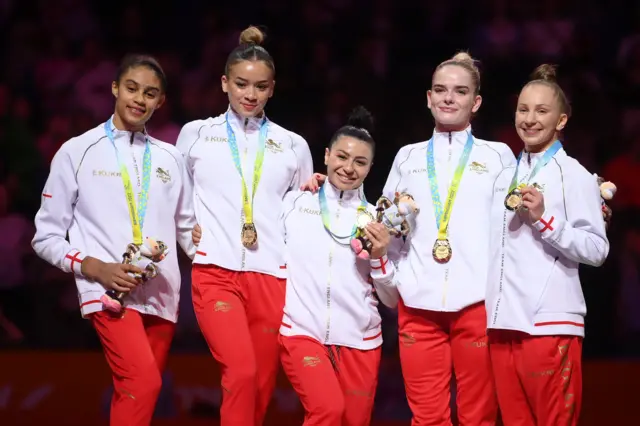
(549,225)
(381,268)
(73,261)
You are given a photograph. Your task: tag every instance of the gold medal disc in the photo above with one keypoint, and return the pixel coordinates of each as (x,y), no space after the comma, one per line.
(513,200)
(363,218)
(249,235)
(442,251)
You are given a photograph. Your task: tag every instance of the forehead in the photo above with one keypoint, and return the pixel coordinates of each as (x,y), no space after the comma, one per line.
(142,75)
(251,71)
(452,75)
(537,94)
(353,146)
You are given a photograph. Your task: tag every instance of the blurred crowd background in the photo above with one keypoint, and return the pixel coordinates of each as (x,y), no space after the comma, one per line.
(59,58)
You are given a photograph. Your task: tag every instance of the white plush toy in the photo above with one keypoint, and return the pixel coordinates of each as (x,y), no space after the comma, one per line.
(144,257)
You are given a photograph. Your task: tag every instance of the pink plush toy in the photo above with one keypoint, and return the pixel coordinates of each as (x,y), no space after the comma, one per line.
(396,216)
(145,257)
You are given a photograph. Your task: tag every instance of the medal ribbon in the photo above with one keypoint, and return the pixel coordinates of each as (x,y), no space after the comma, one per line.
(442,218)
(136,214)
(247,205)
(548,155)
(326,221)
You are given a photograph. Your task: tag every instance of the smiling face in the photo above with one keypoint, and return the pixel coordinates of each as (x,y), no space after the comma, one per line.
(249,86)
(539,118)
(138,94)
(348,162)
(452,98)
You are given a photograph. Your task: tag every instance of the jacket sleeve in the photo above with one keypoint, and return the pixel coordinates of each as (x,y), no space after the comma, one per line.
(304,168)
(55,215)
(185,216)
(580,237)
(382,274)
(394,184)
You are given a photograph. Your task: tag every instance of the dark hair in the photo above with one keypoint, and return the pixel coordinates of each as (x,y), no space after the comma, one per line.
(359,126)
(464,60)
(546,74)
(250,49)
(135,61)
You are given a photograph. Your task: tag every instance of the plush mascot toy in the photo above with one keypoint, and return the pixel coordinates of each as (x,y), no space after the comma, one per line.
(144,257)
(396,216)
(607,192)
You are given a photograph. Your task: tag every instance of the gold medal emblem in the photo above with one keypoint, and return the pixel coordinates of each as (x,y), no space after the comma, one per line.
(513,200)
(249,235)
(363,218)
(442,251)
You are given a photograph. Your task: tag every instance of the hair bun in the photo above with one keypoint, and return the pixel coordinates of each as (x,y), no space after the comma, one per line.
(252,35)
(464,57)
(361,118)
(545,72)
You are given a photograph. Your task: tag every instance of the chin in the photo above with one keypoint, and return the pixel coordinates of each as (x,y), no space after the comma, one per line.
(345,186)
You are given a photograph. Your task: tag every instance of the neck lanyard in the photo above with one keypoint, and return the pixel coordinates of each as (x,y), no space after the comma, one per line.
(136,214)
(247,204)
(442,218)
(548,155)
(326,221)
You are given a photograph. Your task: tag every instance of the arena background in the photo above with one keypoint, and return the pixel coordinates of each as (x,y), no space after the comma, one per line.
(57,62)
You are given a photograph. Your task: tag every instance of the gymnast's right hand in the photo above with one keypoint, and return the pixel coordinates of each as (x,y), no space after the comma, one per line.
(196,235)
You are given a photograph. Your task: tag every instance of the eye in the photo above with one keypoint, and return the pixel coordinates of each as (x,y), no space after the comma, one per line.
(361,163)
(438,90)
(342,156)
(240,84)
(262,87)
(462,92)
(131,89)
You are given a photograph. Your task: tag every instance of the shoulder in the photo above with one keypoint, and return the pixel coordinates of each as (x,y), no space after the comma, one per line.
(572,171)
(498,150)
(166,149)
(298,199)
(77,147)
(412,149)
(194,127)
(287,136)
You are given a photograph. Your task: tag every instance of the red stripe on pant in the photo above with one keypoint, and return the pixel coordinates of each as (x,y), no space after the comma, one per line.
(336,384)
(432,344)
(538,378)
(136,347)
(239,314)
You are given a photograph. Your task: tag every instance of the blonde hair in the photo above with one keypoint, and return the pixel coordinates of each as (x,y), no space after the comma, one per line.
(545,74)
(464,60)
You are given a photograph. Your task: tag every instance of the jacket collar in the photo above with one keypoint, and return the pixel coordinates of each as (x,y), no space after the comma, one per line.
(459,137)
(333,193)
(240,123)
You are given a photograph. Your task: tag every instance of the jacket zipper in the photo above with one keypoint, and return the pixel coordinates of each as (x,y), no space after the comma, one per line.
(144,301)
(328,329)
(243,255)
(445,288)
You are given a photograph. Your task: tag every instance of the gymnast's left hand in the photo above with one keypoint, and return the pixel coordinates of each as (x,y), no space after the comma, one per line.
(379,236)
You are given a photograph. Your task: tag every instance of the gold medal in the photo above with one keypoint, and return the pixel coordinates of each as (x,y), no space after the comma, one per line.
(442,251)
(363,218)
(249,235)
(513,200)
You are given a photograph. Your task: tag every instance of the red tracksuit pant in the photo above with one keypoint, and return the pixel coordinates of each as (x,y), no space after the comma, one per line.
(538,378)
(136,347)
(336,384)
(432,344)
(239,314)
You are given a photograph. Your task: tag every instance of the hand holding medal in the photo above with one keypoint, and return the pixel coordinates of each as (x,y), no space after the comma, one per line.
(379,237)
(533,201)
